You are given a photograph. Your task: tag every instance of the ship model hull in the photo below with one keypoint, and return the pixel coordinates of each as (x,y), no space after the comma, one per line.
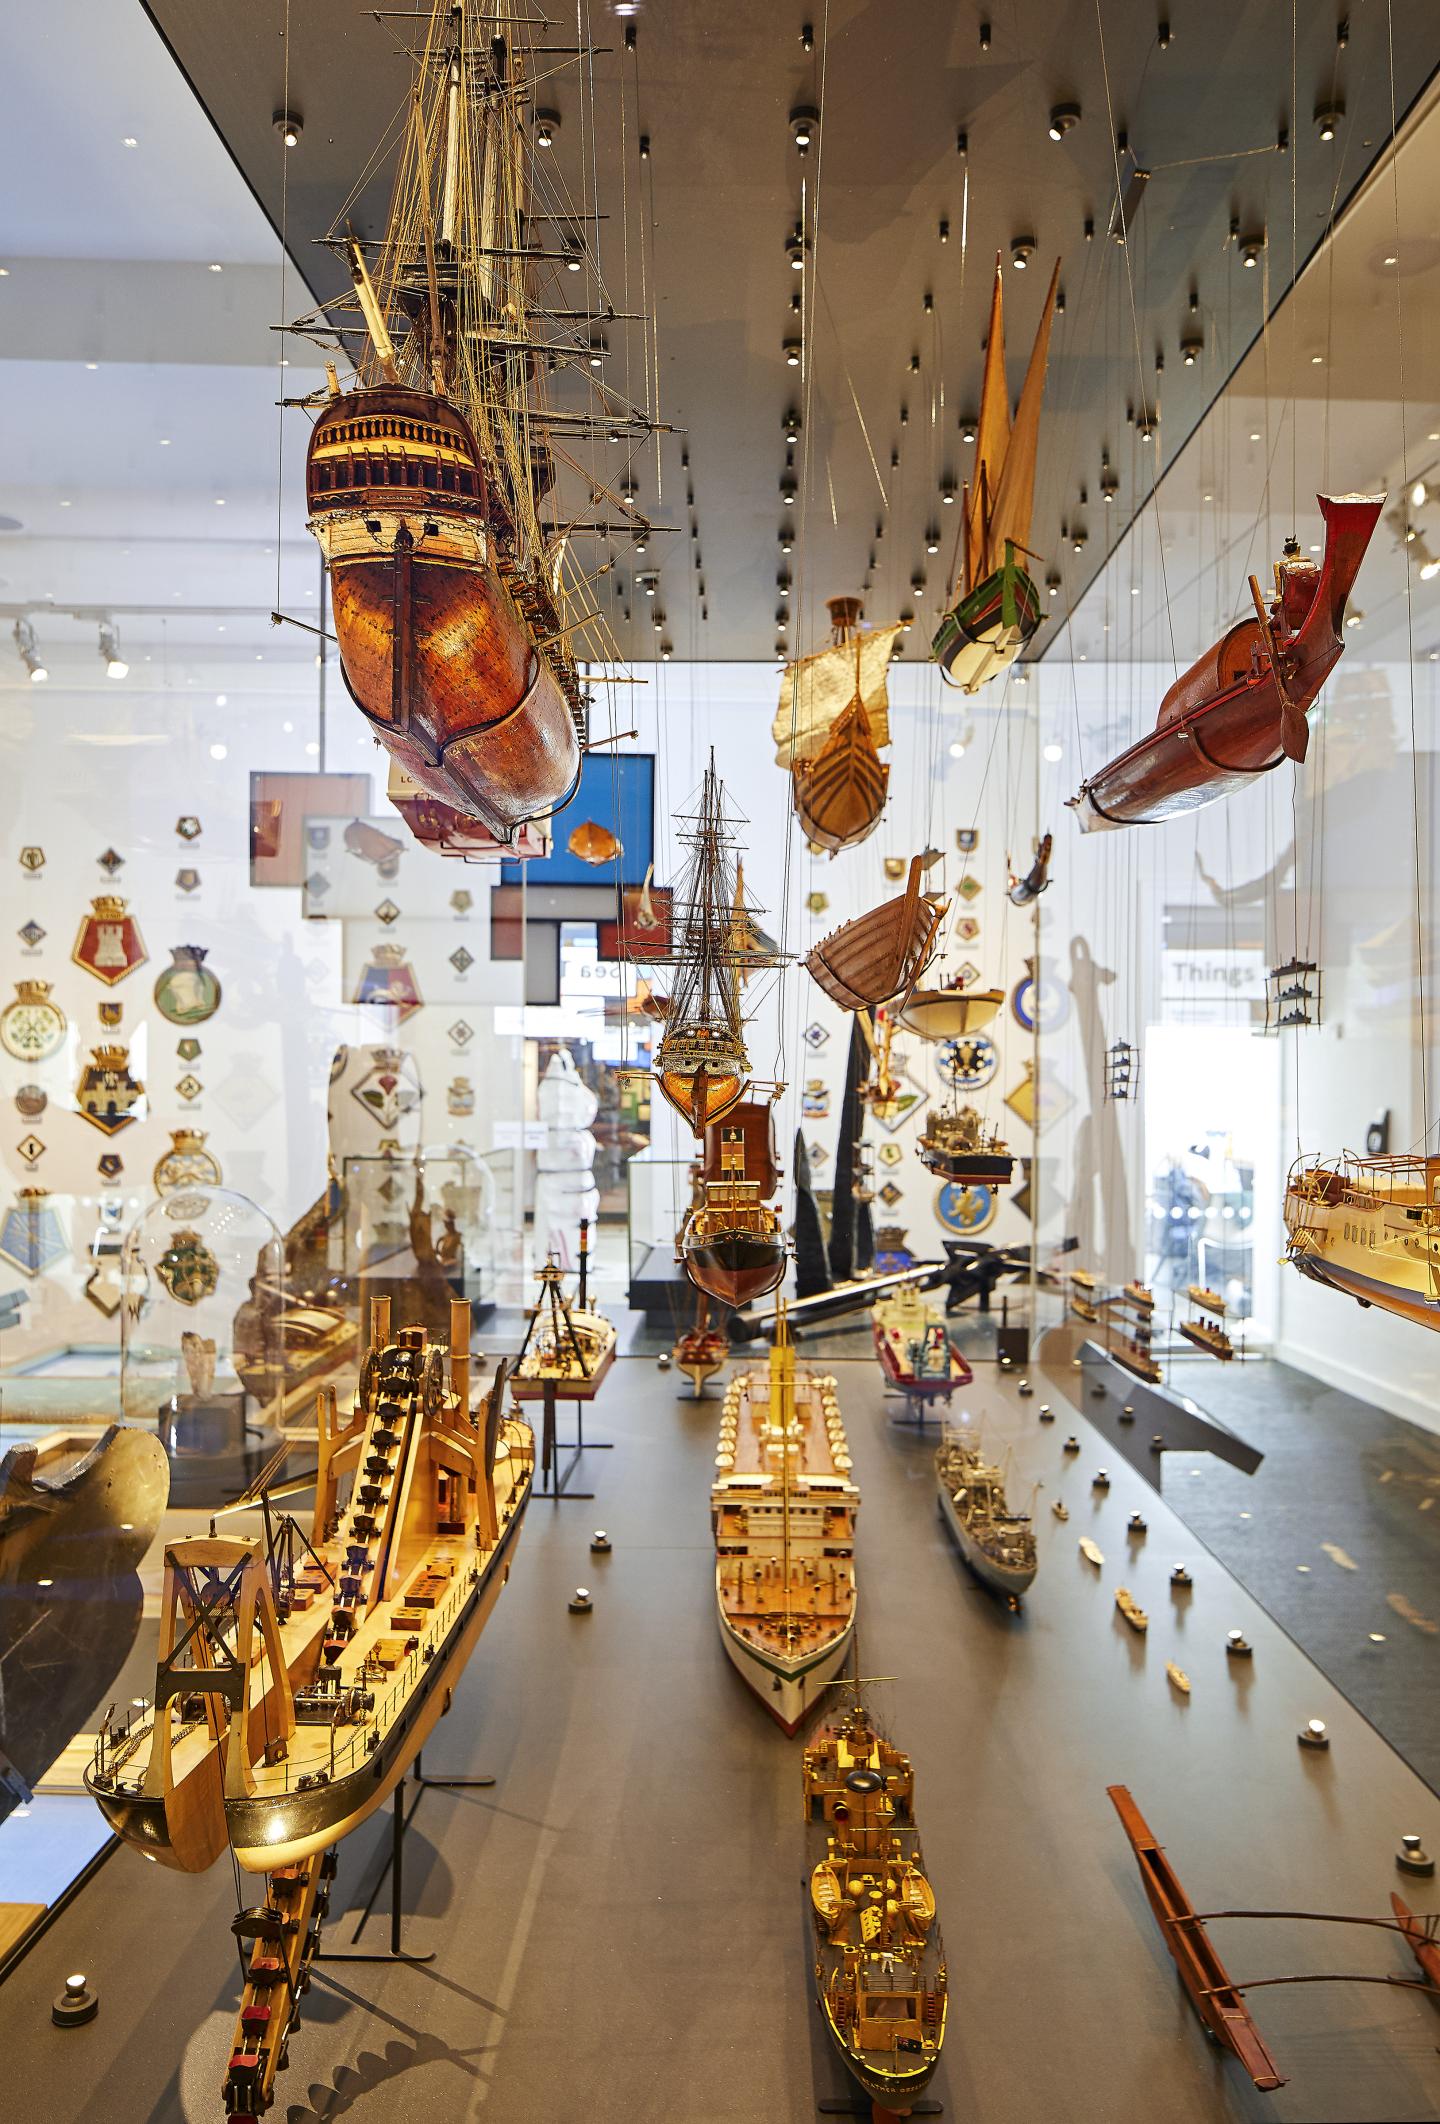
(735,1266)
(986,631)
(1225,721)
(788,1688)
(1008,1579)
(1369,1232)
(971,1168)
(700,1353)
(881,954)
(839,791)
(898,1366)
(441,639)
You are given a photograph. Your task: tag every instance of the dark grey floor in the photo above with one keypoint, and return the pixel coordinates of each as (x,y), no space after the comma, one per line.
(619,1925)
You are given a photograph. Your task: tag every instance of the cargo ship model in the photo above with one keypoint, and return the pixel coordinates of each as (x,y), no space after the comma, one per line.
(881,1981)
(997,1543)
(456,579)
(831,723)
(914,1347)
(1370,1228)
(1242,708)
(783,1506)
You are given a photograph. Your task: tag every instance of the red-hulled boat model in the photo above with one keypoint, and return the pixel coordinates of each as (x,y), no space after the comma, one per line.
(1241,709)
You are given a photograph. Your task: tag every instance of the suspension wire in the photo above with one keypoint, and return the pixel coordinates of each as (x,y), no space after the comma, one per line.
(281,361)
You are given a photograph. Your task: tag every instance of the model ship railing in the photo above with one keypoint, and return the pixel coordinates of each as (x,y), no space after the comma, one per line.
(1360,1178)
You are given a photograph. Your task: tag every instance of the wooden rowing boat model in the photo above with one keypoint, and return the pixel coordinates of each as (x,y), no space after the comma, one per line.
(839,791)
(998,609)
(1369,1228)
(829,728)
(731,1244)
(881,1981)
(1241,708)
(883,953)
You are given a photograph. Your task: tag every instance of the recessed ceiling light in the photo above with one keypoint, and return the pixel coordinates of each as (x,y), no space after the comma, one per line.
(65,505)
(1392,259)
(129,141)
(1254,435)
(219,501)
(92,364)
(164,442)
(1316,360)
(217,268)
(218,752)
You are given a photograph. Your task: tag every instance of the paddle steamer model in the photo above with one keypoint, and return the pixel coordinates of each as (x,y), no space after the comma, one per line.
(1369,1227)
(783,1506)
(881,1981)
(913,1345)
(996,1542)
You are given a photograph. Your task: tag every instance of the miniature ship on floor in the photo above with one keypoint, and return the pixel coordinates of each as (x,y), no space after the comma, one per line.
(914,1347)
(1128,1318)
(999,608)
(958,1145)
(881,954)
(731,1244)
(1206,1325)
(1369,1227)
(700,1350)
(1083,1289)
(568,1347)
(832,720)
(881,1981)
(1242,708)
(996,1542)
(343,1644)
(783,1506)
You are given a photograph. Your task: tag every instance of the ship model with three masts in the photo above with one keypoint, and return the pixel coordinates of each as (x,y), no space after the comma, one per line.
(458,603)
(832,721)
(783,1505)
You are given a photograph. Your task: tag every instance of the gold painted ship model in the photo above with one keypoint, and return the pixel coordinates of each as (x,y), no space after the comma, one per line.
(431,478)
(731,1244)
(957,1144)
(783,1506)
(880,1974)
(832,720)
(1369,1227)
(881,954)
(948,1011)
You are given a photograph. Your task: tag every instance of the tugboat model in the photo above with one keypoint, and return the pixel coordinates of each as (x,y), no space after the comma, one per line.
(880,1975)
(783,1507)
(833,717)
(1369,1227)
(999,610)
(427,480)
(959,1146)
(731,1245)
(1241,709)
(881,954)
(701,1062)
(914,1347)
(998,1544)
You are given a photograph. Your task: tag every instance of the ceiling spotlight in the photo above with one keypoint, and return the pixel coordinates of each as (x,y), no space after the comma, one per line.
(1078,537)
(804,124)
(957,748)
(115,664)
(1429,572)
(289,125)
(647,581)
(1191,348)
(790,424)
(1022,250)
(795,248)
(782,584)
(907,619)
(644,147)
(947,494)
(666,652)
(944,231)
(598,351)
(782,620)
(574,254)
(932,539)
(984,36)
(547,125)
(1327,119)
(29,655)
(1419,494)
(1064,119)
(1352,619)
(1052,585)
(787,539)
(967,427)
(1251,250)
(917,583)
(1109,484)
(787,493)
(793,349)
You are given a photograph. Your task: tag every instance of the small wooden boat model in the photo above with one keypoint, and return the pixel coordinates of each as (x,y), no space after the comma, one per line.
(948,1011)
(592,843)
(731,1244)
(999,607)
(1091,1551)
(839,791)
(1061,1510)
(996,1542)
(957,1144)
(1241,708)
(880,1975)
(1370,1228)
(881,954)
(1178,1679)
(702,1350)
(1024,891)
(914,1347)
(830,726)
(783,1507)
(1206,1325)
(1131,1609)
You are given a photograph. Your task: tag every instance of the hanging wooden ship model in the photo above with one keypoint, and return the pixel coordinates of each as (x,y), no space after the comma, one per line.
(996,1542)
(881,1981)
(731,1245)
(881,954)
(998,609)
(1242,708)
(958,1143)
(300,1674)
(1369,1227)
(783,1506)
(431,478)
(949,1010)
(832,720)
(914,1347)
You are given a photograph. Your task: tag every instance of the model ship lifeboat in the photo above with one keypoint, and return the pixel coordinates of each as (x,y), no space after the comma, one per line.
(959,1147)
(915,1351)
(997,1544)
(345,1645)
(839,791)
(880,1974)
(948,1012)
(1369,1227)
(883,953)
(442,640)
(986,631)
(1241,709)
(731,1245)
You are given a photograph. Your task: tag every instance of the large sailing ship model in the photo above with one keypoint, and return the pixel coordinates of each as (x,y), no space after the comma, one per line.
(431,477)
(783,1506)
(1241,709)
(998,607)
(881,954)
(997,1542)
(731,1244)
(833,719)
(881,1981)
(1369,1227)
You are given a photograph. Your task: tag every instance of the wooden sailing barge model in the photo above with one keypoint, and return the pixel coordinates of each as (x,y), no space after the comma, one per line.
(731,1244)
(996,1542)
(998,609)
(1241,708)
(881,954)
(1369,1227)
(880,1974)
(783,1506)
(430,478)
(832,720)
(914,1347)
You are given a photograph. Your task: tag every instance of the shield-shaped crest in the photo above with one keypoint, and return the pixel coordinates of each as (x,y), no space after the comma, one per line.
(109,945)
(30,1233)
(107,1094)
(967,839)
(187,993)
(388,978)
(110,1014)
(110,1165)
(188,1269)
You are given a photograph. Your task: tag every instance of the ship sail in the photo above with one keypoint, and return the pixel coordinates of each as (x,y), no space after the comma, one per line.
(991,438)
(817,690)
(1014,490)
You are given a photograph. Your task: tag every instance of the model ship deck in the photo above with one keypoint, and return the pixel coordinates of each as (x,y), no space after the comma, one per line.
(1366,1226)
(914,1347)
(996,1542)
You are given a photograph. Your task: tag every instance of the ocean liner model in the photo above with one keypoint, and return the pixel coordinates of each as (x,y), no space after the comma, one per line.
(832,720)
(996,1542)
(458,603)
(880,1975)
(783,1506)
(1369,1227)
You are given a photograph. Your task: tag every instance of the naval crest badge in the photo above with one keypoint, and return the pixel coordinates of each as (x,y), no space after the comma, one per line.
(109,945)
(187,992)
(107,1095)
(188,1269)
(389,978)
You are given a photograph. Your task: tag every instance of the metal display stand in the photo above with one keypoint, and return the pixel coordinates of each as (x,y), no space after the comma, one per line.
(393,1869)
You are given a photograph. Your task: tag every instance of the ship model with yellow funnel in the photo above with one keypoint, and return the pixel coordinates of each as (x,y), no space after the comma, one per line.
(1370,1228)
(783,1505)
(881,1981)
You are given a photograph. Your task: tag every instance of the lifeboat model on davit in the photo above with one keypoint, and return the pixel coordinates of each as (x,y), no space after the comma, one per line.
(1242,708)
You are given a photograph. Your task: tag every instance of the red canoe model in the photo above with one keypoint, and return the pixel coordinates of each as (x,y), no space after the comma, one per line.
(1241,709)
